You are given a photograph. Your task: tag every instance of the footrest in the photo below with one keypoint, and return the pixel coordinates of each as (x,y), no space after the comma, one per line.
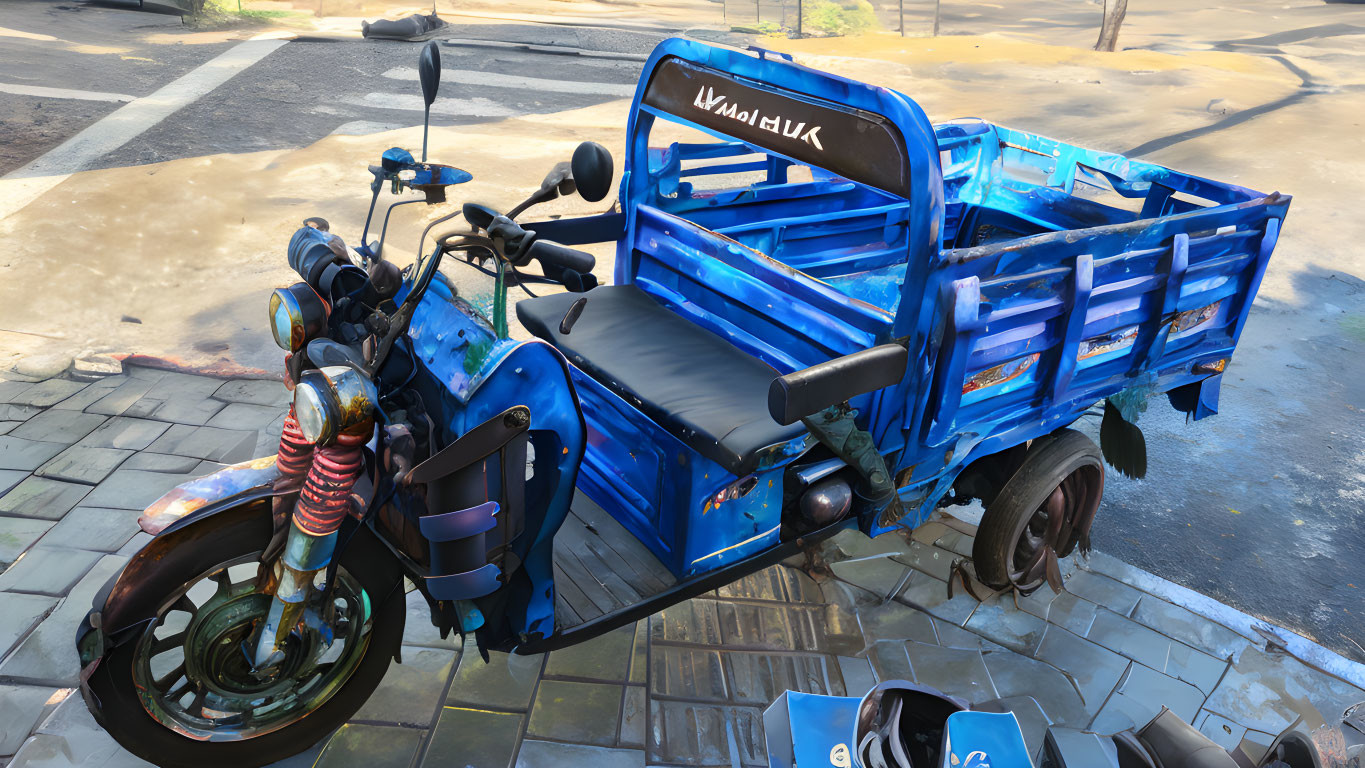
(459,553)
(467,585)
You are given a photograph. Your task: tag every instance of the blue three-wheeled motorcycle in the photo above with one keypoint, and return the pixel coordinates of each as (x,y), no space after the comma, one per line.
(825,313)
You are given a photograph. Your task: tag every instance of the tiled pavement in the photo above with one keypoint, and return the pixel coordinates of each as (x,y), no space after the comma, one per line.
(684,687)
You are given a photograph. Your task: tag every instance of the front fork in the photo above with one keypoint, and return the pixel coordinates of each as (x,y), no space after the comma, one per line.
(322,504)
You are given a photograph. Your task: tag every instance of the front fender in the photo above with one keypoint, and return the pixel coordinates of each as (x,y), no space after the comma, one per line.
(247,481)
(241,489)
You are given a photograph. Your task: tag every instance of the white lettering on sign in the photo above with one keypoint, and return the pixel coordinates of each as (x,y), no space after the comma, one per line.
(707,99)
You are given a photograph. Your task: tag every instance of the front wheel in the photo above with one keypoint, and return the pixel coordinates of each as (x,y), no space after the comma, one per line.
(182,692)
(1043,511)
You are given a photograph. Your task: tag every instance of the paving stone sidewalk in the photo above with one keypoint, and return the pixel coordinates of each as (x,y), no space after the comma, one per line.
(686,687)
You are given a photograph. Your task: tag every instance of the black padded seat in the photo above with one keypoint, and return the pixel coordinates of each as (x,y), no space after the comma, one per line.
(708,393)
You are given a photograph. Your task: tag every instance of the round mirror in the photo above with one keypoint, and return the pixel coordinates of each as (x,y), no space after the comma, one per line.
(592,171)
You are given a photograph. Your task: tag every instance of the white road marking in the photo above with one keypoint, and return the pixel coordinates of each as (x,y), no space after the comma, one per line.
(62,93)
(21,187)
(478,107)
(495,80)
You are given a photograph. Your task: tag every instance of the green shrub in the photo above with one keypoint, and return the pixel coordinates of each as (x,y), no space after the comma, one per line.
(835,18)
(208,14)
(769,28)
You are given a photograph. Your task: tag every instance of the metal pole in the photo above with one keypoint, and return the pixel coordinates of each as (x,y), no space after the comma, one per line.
(758,11)
(901,13)
(937,4)
(799,11)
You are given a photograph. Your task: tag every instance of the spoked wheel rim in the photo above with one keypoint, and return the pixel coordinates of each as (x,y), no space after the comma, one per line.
(191,669)
(1055,527)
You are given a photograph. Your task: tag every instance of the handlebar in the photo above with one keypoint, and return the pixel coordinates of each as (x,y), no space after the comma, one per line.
(552,253)
(523,245)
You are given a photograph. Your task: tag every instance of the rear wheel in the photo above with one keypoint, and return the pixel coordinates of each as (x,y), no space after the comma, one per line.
(1043,511)
(181,691)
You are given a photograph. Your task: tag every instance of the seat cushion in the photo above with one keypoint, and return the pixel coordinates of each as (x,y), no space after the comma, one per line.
(708,393)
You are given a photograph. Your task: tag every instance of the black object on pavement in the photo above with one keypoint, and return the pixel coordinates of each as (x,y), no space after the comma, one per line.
(416,27)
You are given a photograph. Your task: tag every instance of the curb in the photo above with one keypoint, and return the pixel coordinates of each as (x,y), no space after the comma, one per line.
(1254,629)
(572,21)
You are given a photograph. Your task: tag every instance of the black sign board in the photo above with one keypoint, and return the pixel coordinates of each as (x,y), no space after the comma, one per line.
(858,145)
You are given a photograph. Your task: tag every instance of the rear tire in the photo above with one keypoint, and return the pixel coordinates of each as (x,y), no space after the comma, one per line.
(1063,471)
(113,697)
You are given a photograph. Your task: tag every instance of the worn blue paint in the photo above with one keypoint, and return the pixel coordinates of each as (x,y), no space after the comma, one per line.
(1028,278)
(472,376)
(663,492)
(1009,245)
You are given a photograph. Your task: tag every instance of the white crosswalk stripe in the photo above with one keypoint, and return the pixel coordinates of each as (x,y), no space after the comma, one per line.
(495,80)
(20,187)
(19,89)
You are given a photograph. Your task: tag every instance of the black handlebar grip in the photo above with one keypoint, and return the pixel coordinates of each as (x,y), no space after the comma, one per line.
(478,215)
(549,252)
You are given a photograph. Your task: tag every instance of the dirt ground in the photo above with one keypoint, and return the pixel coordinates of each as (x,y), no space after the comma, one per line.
(201,241)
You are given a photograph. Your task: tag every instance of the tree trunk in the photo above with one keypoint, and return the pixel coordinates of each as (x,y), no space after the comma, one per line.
(1114,11)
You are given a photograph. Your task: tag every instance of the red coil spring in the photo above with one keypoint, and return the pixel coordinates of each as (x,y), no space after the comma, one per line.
(326,495)
(295,454)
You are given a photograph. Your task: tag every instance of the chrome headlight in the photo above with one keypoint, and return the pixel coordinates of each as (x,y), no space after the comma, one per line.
(297,314)
(330,401)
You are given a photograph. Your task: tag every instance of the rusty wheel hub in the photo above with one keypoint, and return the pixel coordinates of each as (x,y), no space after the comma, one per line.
(194,676)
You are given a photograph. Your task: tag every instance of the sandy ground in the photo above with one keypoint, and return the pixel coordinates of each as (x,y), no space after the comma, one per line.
(201,242)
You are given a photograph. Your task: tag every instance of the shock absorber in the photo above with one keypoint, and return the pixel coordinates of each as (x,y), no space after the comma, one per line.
(323,504)
(326,494)
(329,425)
(295,453)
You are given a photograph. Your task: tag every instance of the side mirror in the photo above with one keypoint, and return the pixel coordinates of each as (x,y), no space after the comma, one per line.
(592,171)
(429,71)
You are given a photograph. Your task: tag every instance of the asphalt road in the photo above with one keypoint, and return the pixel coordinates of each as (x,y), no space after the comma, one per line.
(296,95)
(1259,507)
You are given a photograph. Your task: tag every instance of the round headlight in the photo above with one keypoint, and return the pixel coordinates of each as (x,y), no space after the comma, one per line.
(331,400)
(315,408)
(297,315)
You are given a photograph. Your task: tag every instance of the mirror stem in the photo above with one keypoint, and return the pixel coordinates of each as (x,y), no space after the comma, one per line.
(426,125)
(373,199)
(540,196)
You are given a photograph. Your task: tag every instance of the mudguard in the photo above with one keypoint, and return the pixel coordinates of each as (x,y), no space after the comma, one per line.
(241,489)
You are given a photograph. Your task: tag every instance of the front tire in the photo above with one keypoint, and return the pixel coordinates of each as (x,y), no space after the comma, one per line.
(122,701)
